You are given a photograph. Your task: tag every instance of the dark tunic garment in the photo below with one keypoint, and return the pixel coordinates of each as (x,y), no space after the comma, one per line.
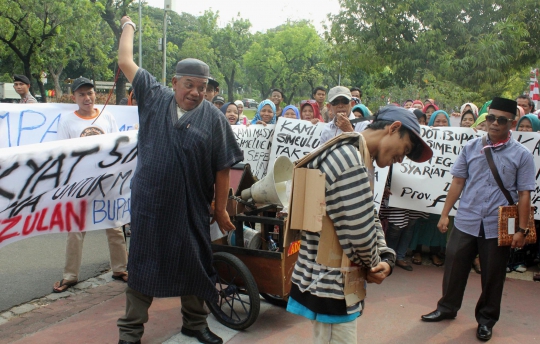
(171,192)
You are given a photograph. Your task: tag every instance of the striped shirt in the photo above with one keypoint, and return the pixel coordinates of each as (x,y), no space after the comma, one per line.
(349,204)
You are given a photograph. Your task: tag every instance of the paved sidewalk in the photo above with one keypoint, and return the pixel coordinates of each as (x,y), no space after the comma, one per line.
(392,315)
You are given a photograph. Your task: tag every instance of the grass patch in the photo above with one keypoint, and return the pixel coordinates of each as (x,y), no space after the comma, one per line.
(250,113)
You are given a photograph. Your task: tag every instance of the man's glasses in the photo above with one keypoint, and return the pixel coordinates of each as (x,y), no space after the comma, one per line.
(501,120)
(341,100)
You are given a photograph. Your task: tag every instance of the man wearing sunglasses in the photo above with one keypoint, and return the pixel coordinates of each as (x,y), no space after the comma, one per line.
(339,107)
(476,223)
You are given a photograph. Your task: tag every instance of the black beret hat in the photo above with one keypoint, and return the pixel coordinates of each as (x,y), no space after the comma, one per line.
(21,78)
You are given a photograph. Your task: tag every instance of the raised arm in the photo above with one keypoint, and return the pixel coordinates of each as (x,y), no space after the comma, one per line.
(125,49)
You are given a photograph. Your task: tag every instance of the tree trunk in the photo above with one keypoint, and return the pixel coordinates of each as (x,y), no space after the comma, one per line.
(55,74)
(230,85)
(41,89)
(120,88)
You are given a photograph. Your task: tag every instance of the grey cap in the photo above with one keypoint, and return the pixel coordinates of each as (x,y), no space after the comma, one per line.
(212,81)
(339,91)
(79,82)
(420,153)
(192,67)
(218,99)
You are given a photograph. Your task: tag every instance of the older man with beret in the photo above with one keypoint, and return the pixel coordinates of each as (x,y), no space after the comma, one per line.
(186,148)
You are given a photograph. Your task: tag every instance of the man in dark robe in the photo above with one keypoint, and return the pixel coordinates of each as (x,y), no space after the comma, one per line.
(185,151)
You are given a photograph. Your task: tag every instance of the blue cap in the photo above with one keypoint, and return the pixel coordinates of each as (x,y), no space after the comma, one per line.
(420,152)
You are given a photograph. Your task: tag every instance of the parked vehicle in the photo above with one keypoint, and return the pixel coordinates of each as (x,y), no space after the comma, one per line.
(250,103)
(7,92)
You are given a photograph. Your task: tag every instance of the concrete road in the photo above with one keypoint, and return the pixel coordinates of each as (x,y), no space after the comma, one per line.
(29,268)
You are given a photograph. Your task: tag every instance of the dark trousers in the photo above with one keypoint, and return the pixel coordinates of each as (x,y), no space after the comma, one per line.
(461,249)
(131,325)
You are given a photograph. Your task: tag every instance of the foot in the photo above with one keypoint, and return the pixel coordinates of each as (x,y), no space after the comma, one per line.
(436,316)
(120,276)
(404,265)
(125,342)
(476,265)
(417,258)
(204,336)
(536,277)
(483,333)
(63,285)
(436,260)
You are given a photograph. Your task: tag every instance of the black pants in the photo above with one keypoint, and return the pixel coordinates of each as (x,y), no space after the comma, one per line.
(461,249)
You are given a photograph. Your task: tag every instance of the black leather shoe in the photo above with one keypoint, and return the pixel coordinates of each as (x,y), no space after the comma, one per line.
(124,342)
(483,333)
(437,316)
(204,336)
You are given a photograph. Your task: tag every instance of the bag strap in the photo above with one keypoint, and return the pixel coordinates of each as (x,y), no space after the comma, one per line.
(493,168)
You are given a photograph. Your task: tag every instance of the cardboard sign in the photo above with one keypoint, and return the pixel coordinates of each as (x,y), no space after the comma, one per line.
(68,185)
(255,141)
(295,138)
(25,124)
(423,186)
(532,142)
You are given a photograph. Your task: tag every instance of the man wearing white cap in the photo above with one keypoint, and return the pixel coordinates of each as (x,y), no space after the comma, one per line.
(185,150)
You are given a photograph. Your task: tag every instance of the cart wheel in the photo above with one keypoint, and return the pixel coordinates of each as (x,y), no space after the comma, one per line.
(239,303)
(275,300)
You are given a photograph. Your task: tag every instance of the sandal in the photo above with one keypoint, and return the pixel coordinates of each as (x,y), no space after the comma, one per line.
(404,265)
(417,258)
(476,265)
(62,286)
(436,260)
(123,276)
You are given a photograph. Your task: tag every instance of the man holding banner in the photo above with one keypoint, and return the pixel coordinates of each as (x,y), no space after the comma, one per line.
(476,223)
(186,148)
(87,121)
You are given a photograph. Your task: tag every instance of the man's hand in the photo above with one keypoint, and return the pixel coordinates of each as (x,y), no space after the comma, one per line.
(124,20)
(518,241)
(343,123)
(223,220)
(378,273)
(443,224)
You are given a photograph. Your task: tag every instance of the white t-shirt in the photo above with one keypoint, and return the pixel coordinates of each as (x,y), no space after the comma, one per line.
(71,125)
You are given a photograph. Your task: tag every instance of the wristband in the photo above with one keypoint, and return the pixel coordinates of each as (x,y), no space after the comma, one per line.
(129,23)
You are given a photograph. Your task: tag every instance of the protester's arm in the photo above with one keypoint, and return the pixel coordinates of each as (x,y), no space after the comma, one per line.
(125,50)
(524,211)
(343,123)
(451,198)
(221,195)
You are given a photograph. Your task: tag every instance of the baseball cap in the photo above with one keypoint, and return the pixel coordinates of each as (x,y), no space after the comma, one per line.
(218,99)
(421,152)
(339,91)
(21,78)
(213,82)
(82,81)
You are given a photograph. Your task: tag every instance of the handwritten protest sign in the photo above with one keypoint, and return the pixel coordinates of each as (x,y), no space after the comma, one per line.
(295,138)
(423,186)
(255,142)
(68,185)
(24,124)
(381,174)
(532,142)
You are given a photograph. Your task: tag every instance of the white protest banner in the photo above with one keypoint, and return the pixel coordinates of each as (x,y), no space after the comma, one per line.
(61,186)
(381,174)
(295,138)
(532,142)
(24,124)
(255,142)
(423,186)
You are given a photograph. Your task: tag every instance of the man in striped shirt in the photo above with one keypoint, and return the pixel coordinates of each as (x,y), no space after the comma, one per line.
(317,290)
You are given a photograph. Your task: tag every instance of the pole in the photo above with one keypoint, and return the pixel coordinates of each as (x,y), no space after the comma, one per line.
(140,35)
(164,77)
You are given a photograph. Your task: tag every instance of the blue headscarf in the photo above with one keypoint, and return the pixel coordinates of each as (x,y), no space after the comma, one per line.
(435,114)
(292,107)
(258,114)
(224,110)
(363,109)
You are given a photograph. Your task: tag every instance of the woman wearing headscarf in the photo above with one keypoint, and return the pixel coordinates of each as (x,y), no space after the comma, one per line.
(485,107)
(529,123)
(467,119)
(429,109)
(266,113)
(417,104)
(425,230)
(309,111)
(230,110)
(480,123)
(469,106)
(291,111)
(408,104)
(240,106)
(360,111)
(439,118)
